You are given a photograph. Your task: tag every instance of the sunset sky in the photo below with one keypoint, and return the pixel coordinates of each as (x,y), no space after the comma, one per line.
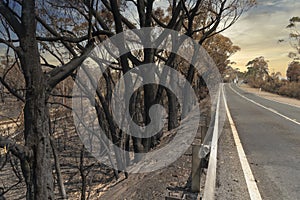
(258,31)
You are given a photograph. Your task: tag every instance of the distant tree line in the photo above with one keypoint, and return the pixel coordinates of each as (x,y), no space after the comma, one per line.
(258,74)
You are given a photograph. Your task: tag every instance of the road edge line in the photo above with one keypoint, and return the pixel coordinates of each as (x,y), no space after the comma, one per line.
(269,109)
(248,175)
(284,103)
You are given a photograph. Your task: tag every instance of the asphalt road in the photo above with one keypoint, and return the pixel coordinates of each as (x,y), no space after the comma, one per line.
(271,141)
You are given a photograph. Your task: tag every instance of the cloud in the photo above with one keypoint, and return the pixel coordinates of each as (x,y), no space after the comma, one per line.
(258,31)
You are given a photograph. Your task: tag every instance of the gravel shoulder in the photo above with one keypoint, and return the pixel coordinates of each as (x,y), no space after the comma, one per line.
(270,96)
(230,184)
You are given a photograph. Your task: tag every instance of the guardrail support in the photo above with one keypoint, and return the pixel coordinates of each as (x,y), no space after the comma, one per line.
(203,131)
(196,168)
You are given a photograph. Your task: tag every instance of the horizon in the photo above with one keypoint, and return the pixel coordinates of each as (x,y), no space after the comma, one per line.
(258,31)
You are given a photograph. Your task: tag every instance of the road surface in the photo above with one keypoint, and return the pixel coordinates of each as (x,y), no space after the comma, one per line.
(270,135)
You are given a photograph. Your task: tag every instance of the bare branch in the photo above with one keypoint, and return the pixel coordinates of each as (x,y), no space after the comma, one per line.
(10,44)
(18,150)
(11,90)
(53,32)
(60,73)
(11,19)
(73,39)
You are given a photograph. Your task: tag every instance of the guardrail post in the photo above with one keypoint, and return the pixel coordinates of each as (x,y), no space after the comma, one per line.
(203,131)
(196,168)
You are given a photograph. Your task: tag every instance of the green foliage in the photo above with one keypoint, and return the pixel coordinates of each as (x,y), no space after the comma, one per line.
(295,19)
(293,22)
(290,89)
(220,48)
(276,86)
(255,83)
(272,85)
(293,72)
(294,36)
(258,71)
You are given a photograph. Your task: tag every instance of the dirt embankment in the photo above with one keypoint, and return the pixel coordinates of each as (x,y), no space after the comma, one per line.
(173,180)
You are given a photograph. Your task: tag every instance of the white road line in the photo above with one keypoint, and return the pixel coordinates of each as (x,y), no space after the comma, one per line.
(250,181)
(269,109)
(210,183)
(289,104)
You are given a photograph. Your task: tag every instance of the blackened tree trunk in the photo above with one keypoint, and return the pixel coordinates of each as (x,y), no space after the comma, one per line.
(37,168)
(172,111)
(149,98)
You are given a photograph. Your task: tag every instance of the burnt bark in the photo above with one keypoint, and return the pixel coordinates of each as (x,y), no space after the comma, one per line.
(172,111)
(60,180)
(82,174)
(38,169)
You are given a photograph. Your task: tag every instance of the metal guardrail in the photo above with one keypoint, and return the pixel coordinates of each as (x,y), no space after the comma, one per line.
(210,183)
(207,153)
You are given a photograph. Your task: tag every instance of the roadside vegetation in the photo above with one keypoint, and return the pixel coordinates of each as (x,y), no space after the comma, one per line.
(258,74)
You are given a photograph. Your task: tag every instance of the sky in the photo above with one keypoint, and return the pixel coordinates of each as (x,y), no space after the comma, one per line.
(258,30)
(257,33)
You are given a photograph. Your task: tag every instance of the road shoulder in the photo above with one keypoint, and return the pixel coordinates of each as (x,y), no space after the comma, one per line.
(270,96)
(231,184)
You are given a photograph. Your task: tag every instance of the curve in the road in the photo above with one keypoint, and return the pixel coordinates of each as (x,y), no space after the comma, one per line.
(267,108)
(248,175)
(270,141)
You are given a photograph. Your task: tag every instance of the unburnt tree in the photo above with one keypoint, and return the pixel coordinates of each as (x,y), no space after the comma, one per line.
(293,72)
(258,67)
(220,48)
(294,37)
(257,71)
